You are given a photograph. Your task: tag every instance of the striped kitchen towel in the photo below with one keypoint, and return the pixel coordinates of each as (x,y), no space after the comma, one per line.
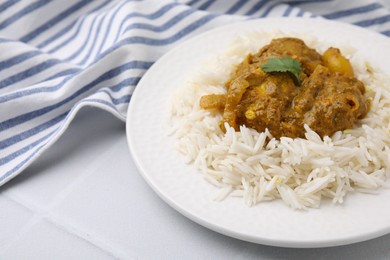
(59,56)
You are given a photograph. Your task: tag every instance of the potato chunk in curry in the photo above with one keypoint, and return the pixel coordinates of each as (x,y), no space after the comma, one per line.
(328,98)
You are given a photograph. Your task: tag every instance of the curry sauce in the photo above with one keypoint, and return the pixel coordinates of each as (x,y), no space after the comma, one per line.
(328,98)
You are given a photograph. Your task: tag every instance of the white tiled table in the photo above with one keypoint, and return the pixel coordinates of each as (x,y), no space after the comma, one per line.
(84,199)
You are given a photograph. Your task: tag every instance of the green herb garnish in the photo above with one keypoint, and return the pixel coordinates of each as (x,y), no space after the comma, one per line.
(285,64)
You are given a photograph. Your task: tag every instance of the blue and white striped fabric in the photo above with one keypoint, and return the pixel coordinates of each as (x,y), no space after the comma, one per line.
(59,56)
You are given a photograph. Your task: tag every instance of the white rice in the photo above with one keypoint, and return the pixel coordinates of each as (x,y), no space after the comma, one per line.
(299,171)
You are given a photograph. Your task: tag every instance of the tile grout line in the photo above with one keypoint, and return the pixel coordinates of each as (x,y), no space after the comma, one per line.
(40,213)
(93,239)
(37,216)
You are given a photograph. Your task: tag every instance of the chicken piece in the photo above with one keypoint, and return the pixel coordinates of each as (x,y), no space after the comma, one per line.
(336,103)
(236,90)
(263,106)
(290,47)
(245,76)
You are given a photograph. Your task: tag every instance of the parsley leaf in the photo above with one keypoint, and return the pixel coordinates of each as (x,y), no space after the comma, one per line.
(285,64)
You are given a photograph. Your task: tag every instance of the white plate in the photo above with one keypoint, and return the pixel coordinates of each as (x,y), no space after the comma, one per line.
(361,217)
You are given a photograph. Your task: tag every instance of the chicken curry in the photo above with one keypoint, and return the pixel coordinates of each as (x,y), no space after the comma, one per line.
(326,95)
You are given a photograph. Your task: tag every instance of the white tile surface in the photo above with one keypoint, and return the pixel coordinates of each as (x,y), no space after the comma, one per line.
(44,240)
(13,218)
(84,199)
